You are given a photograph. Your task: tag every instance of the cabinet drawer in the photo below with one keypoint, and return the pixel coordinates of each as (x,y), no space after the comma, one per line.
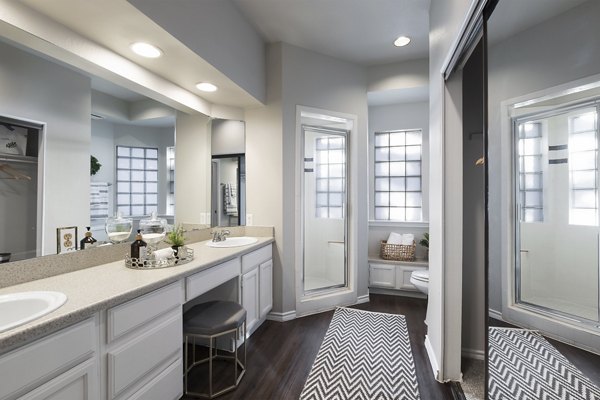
(210,278)
(251,260)
(382,275)
(79,383)
(37,363)
(140,356)
(168,385)
(127,317)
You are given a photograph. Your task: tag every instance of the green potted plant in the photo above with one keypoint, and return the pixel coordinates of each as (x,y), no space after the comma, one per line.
(176,239)
(425,243)
(94,165)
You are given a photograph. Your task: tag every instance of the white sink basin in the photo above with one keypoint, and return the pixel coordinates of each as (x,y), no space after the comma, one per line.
(19,308)
(234,242)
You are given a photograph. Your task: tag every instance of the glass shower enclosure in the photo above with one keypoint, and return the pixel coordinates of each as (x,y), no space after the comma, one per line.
(557,227)
(324,209)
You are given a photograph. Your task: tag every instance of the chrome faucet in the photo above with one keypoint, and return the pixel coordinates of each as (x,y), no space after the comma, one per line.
(220,236)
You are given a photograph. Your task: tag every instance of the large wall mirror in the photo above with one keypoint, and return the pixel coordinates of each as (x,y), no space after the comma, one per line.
(544,304)
(56,121)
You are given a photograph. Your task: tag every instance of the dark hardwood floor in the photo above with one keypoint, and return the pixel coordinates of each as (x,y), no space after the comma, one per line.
(586,362)
(280,355)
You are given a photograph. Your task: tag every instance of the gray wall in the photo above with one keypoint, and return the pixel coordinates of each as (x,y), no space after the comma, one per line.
(560,50)
(314,80)
(228,137)
(299,77)
(39,90)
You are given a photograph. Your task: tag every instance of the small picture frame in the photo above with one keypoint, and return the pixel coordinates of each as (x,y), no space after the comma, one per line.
(66,239)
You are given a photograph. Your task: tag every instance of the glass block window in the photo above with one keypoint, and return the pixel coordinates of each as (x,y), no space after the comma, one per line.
(531,189)
(398,180)
(171,180)
(137,180)
(583,169)
(330,165)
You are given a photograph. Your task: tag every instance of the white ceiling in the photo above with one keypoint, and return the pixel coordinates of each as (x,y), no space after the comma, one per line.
(358,31)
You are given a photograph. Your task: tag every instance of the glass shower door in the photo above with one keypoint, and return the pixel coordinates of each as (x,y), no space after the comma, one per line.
(324,209)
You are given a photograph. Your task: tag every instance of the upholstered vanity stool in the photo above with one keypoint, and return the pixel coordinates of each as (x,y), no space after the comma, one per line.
(209,321)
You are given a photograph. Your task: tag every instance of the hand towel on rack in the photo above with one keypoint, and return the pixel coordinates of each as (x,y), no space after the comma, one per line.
(98,200)
(230,199)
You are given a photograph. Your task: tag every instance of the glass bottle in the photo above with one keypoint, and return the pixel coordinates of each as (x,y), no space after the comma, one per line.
(139,248)
(88,241)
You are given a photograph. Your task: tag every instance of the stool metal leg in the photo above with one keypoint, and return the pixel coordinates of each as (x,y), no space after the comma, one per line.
(210,367)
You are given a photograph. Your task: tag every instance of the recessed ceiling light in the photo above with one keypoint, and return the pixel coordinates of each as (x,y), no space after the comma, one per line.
(402,41)
(146,50)
(206,87)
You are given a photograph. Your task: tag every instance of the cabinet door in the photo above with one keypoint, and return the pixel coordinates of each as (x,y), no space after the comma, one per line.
(382,275)
(250,298)
(266,288)
(403,277)
(79,383)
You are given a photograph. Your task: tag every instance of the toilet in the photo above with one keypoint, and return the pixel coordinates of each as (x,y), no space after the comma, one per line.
(420,279)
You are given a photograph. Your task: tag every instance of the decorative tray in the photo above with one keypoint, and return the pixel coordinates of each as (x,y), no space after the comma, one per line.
(172,261)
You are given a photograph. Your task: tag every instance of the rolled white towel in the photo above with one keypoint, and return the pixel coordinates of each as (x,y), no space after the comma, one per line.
(163,254)
(408,239)
(394,238)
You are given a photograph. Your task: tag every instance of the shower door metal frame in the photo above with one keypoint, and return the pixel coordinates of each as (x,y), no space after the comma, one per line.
(536,308)
(346,134)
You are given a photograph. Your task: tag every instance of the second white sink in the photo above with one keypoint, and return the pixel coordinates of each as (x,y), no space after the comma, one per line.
(234,242)
(19,308)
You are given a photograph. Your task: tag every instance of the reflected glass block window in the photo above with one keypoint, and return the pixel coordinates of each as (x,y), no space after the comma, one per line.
(330,165)
(171,180)
(531,174)
(137,180)
(398,180)
(583,169)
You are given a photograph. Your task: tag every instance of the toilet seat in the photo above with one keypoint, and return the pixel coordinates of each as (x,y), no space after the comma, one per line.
(421,276)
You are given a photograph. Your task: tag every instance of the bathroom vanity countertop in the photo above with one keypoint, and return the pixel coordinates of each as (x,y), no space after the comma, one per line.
(98,288)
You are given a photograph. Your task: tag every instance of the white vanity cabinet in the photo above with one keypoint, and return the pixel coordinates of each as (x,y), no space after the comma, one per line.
(394,275)
(144,346)
(61,366)
(257,286)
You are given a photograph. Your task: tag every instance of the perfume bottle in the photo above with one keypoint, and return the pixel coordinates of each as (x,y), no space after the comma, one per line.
(88,241)
(139,248)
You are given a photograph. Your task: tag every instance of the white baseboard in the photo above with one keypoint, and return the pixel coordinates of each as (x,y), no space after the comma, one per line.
(395,292)
(281,317)
(362,299)
(432,360)
(495,314)
(474,354)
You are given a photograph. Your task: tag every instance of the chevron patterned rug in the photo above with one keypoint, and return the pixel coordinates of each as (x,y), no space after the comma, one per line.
(524,366)
(364,355)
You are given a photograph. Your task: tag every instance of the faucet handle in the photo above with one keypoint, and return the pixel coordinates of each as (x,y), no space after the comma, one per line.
(224,233)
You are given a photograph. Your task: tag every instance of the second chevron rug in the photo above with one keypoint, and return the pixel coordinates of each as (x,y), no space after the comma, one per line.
(523,365)
(364,355)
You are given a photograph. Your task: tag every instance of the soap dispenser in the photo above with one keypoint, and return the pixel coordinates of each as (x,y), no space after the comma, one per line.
(88,241)
(139,248)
